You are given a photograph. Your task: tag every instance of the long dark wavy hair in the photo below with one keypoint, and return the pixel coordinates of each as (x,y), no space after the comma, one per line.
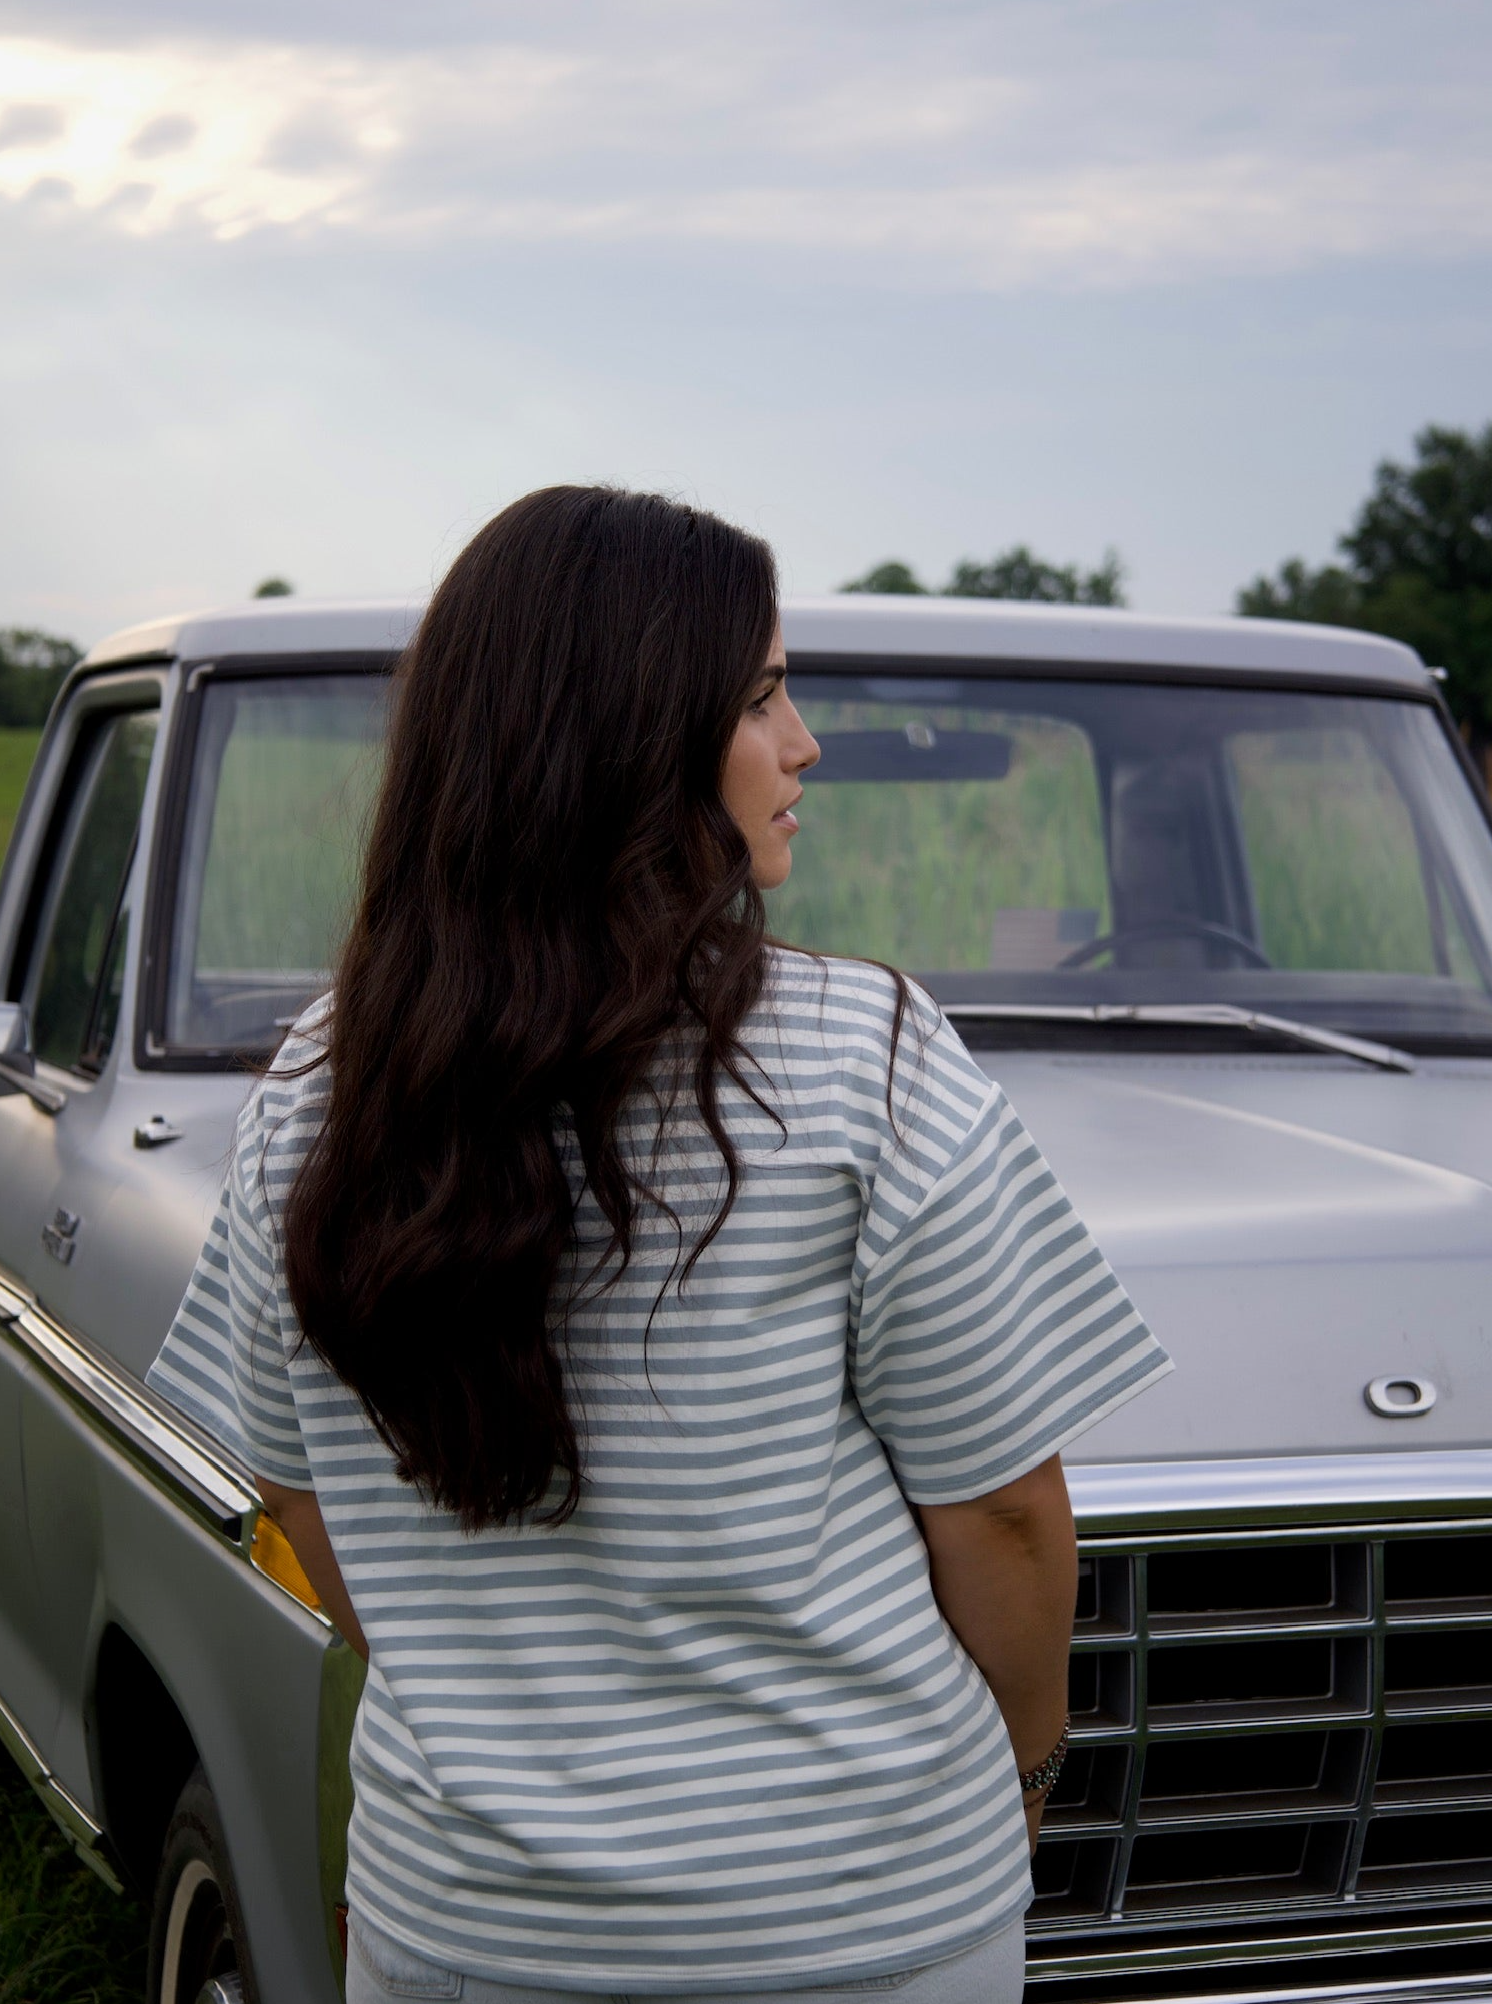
(552,887)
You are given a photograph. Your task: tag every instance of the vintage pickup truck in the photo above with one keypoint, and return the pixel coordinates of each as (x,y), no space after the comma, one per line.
(1212,899)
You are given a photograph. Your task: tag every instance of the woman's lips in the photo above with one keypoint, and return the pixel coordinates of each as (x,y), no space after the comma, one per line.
(786,819)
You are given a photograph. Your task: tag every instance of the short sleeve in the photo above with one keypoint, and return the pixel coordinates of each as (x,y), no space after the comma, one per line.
(990,1330)
(223,1361)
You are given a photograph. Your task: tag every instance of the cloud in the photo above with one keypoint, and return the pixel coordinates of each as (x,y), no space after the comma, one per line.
(954,159)
(313,144)
(31,124)
(1082,228)
(166,134)
(253,136)
(54,189)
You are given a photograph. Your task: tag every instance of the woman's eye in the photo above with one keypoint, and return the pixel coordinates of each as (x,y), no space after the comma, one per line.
(760,703)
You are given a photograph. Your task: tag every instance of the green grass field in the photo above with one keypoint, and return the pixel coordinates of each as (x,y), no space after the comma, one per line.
(919,874)
(64,1937)
(914,874)
(281,866)
(1337,876)
(17,749)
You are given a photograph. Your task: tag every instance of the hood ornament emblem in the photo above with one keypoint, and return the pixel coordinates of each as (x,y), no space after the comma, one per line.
(1400,1398)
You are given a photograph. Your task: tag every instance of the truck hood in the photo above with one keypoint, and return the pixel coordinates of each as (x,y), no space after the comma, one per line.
(1291,1229)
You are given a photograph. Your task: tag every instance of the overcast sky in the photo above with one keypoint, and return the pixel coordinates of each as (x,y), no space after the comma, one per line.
(314,287)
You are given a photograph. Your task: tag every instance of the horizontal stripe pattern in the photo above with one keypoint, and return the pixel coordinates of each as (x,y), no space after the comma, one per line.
(712,1733)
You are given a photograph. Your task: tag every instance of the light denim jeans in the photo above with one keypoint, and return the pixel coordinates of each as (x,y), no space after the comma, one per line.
(379,1971)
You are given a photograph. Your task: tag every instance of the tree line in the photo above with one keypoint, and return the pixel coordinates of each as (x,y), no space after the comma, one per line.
(1015,573)
(34,665)
(32,668)
(1417,567)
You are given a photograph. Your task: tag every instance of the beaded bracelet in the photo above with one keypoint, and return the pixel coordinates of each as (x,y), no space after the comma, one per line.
(1042,1779)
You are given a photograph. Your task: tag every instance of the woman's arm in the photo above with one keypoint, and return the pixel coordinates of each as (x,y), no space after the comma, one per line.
(1004,1572)
(298,1515)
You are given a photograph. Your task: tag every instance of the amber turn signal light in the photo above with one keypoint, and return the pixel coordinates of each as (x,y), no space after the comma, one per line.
(271,1552)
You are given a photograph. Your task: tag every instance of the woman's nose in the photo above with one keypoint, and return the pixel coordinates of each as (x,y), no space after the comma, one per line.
(803,747)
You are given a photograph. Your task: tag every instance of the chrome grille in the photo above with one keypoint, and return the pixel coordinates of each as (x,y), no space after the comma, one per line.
(1269,1727)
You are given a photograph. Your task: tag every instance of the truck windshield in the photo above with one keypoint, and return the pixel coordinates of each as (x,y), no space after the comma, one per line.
(1015,842)
(1045,842)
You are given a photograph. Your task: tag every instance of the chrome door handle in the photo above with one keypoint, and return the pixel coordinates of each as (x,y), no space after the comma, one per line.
(155,1133)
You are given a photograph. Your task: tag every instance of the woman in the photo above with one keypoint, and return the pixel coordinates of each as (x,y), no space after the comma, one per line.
(655,1343)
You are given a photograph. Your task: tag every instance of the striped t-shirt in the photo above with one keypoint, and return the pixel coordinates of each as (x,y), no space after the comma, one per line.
(713,1732)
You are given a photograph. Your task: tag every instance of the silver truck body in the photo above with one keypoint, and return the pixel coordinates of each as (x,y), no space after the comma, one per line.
(1277,1555)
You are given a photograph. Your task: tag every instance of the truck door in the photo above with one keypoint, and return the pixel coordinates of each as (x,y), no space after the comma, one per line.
(66,963)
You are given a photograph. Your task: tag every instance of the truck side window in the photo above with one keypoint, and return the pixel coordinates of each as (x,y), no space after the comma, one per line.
(80,940)
(107,999)
(283,774)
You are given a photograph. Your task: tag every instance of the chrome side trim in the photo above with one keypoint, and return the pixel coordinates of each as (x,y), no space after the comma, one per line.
(1214,1954)
(1464,1989)
(77,1826)
(155,1439)
(178,1457)
(1138,1498)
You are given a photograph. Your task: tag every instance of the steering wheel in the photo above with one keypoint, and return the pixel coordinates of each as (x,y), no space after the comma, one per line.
(1179,927)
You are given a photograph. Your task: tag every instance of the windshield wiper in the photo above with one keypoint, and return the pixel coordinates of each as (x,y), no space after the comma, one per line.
(1221,1015)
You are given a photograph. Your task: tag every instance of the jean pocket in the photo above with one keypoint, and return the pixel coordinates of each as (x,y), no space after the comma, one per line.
(396,1969)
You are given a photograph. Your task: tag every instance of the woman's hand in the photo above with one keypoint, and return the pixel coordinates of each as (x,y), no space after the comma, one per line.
(1004,1573)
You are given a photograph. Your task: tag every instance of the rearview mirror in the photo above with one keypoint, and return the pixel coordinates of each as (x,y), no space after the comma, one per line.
(915,751)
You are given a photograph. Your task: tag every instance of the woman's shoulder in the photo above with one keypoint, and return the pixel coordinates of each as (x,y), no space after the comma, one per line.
(823,995)
(873,1020)
(285,1109)
(899,1073)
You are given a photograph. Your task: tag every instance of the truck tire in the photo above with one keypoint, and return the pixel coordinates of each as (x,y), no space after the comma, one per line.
(198,1948)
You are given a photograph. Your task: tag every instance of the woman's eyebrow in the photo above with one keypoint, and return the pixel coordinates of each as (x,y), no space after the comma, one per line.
(775,672)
